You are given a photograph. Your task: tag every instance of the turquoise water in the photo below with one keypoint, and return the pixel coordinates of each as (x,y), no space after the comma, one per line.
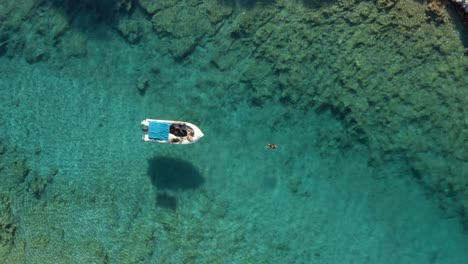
(348,183)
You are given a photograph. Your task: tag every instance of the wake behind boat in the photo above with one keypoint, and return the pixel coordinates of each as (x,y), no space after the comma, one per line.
(171,132)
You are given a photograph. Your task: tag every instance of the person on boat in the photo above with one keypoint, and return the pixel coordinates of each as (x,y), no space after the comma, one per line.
(271,146)
(175,140)
(184,129)
(190,134)
(175,130)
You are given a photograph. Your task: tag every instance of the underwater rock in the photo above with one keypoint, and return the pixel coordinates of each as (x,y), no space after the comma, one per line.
(21,10)
(363,12)
(152,6)
(247,23)
(258,78)
(124,5)
(227,54)
(13,15)
(133,29)
(96,249)
(50,25)
(184,27)
(376,81)
(385,4)
(182,21)
(37,184)
(215,11)
(143,84)
(437,11)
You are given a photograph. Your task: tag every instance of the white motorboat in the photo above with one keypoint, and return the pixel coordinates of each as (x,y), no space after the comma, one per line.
(171,132)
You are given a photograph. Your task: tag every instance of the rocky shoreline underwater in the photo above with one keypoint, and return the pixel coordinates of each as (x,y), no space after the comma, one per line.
(394,120)
(395,80)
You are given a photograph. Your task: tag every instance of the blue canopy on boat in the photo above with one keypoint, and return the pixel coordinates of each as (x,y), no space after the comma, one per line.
(158,130)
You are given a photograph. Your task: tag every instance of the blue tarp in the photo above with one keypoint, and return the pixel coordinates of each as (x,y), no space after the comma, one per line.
(158,130)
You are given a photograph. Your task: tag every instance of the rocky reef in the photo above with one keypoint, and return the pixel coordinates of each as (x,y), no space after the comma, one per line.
(395,80)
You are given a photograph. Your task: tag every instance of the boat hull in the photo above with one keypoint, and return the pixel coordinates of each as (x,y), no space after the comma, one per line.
(189,133)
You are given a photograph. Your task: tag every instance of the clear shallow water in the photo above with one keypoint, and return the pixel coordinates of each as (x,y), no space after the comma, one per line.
(109,197)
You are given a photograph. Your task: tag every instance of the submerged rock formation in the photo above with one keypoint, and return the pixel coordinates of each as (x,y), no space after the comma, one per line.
(386,69)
